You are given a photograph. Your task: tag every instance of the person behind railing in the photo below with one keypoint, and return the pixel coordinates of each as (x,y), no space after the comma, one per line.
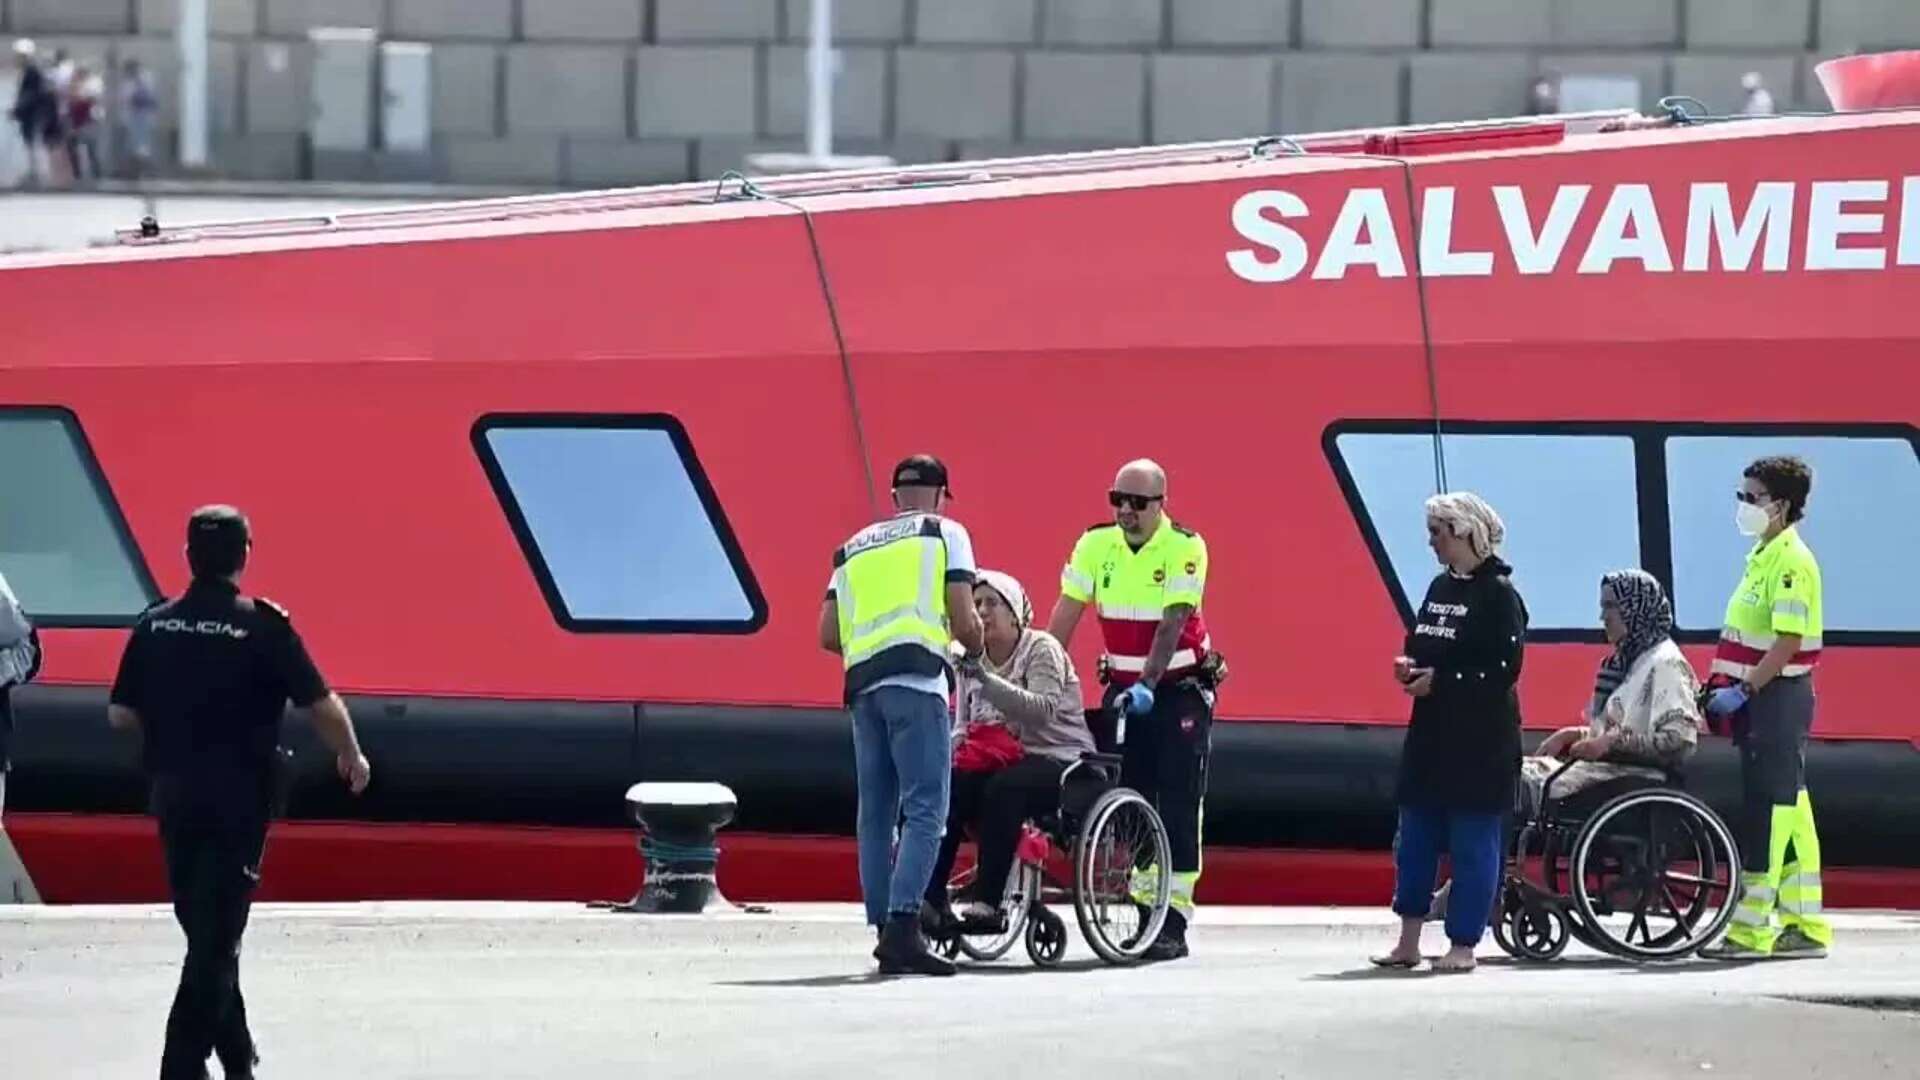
(1644,718)
(1019,722)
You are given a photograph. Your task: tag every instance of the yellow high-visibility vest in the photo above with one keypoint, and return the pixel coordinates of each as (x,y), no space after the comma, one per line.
(889,583)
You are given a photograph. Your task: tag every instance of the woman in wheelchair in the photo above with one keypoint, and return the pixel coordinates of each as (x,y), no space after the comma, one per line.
(1644,718)
(1024,687)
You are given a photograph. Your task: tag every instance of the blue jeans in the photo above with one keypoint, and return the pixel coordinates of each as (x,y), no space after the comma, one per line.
(901,757)
(1473,841)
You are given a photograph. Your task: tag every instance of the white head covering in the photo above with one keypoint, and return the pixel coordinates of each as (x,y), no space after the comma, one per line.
(1467,515)
(1011,594)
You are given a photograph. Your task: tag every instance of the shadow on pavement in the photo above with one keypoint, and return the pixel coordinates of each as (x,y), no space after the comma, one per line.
(819,982)
(825,982)
(1088,963)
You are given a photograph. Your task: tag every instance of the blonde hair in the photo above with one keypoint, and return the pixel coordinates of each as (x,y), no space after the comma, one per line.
(1469,517)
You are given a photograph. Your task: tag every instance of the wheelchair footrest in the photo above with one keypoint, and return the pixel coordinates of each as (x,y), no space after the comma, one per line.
(978,926)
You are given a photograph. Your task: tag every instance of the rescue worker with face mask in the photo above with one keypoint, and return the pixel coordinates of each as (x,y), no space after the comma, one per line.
(1761,686)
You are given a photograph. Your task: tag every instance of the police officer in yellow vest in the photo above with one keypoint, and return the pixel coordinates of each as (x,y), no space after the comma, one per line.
(1145,575)
(1762,680)
(901,592)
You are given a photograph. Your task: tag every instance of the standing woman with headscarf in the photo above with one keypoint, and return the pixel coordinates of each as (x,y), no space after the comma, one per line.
(1644,715)
(1461,756)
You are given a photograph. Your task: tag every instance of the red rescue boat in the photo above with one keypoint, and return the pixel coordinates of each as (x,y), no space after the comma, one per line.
(550,484)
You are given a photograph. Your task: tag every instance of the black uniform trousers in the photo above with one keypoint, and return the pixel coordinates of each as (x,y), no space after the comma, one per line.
(213,847)
(1772,733)
(995,805)
(1164,758)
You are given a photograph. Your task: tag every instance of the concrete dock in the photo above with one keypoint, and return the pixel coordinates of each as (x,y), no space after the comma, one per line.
(549,990)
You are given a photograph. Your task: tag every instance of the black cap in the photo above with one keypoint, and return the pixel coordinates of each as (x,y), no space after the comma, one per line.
(921,470)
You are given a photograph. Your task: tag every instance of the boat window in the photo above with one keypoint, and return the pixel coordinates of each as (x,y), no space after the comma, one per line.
(1862,522)
(64,548)
(619,524)
(1569,502)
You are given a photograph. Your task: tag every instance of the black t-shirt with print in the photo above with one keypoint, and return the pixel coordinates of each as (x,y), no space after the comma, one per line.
(1462,749)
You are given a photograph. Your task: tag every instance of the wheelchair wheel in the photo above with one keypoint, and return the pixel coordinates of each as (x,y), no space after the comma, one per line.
(1506,903)
(1653,874)
(1533,930)
(1023,885)
(1122,876)
(1046,937)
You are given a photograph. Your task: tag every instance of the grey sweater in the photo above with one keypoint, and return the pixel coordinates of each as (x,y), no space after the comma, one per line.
(1036,694)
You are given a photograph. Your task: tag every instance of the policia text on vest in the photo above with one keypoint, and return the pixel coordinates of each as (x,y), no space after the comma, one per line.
(901,592)
(204,680)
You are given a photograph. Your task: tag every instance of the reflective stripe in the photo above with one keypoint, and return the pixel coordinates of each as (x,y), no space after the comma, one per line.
(1183,885)
(1138,614)
(1182,658)
(1790,607)
(861,630)
(1748,916)
(1763,642)
(1743,671)
(1184,584)
(1144,886)
(1761,895)
(1730,669)
(1801,894)
(1081,581)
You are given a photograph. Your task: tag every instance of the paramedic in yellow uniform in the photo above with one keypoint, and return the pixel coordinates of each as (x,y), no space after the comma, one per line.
(1144,574)
(1762,680)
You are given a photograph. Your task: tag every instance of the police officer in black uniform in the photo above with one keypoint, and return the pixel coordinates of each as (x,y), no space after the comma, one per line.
(204,680)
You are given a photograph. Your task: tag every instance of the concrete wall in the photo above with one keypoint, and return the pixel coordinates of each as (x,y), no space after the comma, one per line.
(587,91)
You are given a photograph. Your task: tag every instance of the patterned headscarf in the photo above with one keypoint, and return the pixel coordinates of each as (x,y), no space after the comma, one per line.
(1648,615)
(1468,516)
(1011,594)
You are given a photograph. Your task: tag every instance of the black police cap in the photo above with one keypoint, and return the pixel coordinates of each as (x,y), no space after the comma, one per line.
(921,470)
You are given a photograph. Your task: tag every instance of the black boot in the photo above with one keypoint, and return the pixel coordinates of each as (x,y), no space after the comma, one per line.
(1172,942)
(902,950)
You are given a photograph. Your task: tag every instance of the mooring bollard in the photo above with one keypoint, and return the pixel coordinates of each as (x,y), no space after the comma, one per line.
(678,822)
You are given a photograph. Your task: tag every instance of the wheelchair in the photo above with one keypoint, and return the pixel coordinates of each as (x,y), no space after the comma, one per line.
(1634,867)
(1103,849)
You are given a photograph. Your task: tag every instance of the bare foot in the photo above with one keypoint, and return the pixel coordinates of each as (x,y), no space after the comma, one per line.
(1398,958)
(1458,959)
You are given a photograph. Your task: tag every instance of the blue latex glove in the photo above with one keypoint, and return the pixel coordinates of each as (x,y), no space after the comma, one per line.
(1727,700)
(1136,700)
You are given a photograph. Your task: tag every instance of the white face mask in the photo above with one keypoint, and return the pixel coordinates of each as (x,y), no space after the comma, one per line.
(1752,519)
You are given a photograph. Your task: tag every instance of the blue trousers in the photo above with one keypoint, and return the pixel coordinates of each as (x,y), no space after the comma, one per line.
(901,759)
(1474,842)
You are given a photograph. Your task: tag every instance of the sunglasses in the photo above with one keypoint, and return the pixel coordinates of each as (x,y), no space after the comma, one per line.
(1117,499)
(1747,497)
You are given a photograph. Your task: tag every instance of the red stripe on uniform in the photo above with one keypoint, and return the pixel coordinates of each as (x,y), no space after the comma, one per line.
(1134,637)
(1747,654)
(1128,637)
